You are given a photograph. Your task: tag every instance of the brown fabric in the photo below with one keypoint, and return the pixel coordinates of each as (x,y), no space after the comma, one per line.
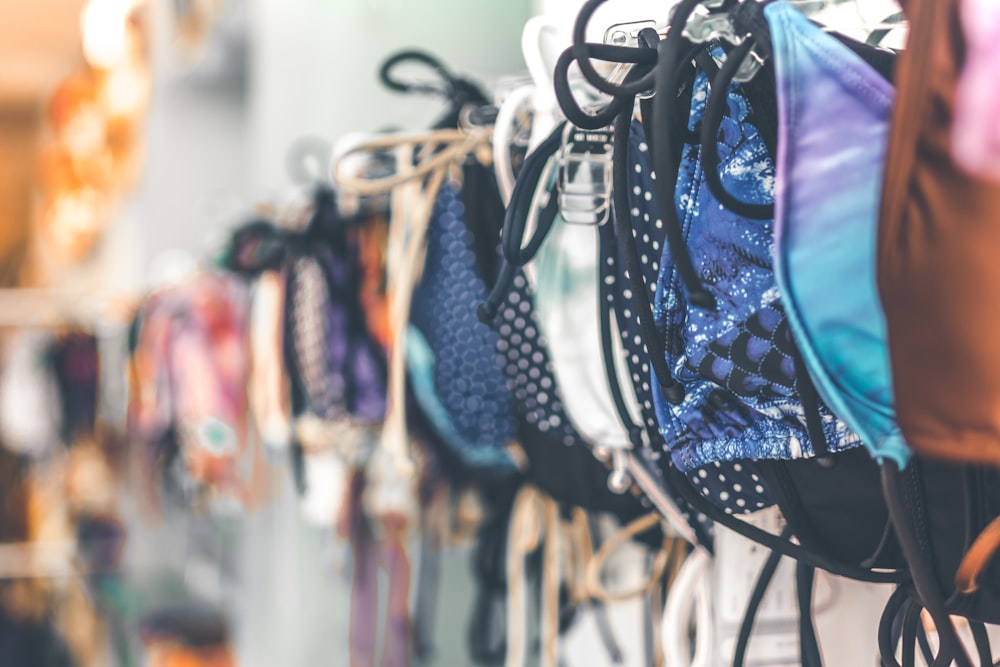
(939,258)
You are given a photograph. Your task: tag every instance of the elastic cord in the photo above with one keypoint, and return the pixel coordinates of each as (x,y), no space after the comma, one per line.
(911,621)
(515,220)
(582,52)
(567,102)
(753,604)
(982,639)
(606,298)
(664,162)
(422,57)
(887,638)
(673,391)
(596,589)
(775,542)
(921,569)
(711,123)
(809,652)
(810,406)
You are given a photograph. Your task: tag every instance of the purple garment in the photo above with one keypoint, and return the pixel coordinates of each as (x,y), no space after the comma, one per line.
(834,112)
(341,369)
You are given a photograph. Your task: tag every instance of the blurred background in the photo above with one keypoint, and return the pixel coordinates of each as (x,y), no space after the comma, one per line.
(135,135)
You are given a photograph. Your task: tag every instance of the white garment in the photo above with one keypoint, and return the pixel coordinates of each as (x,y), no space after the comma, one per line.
(30,409)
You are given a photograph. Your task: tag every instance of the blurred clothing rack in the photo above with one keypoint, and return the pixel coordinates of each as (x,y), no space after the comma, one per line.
(32,560)
(51,307)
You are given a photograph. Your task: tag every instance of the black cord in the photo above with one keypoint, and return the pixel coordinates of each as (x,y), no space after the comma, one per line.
(604,627)
(810,406)
(606,246)
(911,620)
(673,391)
(666,86)
(564,96)
(982,639)
(415,56)
(887,637)
(809,651)
(925,644)
(515,221)
(582,52)
(715,110)
(776,543)
(921,569)
(753,604)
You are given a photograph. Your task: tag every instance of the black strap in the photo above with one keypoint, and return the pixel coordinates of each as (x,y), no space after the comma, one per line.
(810,406)
(809,652)
(888,636)
(711,123)
(924,579)
(458,91)
(583,52)
(753,604)
(673,390)
(666,168)
(982,639)
(775,542)
(515,221)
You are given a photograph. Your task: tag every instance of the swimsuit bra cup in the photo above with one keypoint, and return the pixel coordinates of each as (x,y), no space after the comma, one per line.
(828,188)
(737,362)
(451,356)
(734,486)
(568,315)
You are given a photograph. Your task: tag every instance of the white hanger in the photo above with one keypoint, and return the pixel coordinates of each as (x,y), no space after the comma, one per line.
(851,17)
(689,595)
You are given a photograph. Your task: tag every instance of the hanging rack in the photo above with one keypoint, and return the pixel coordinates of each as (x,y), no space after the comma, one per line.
(54,307)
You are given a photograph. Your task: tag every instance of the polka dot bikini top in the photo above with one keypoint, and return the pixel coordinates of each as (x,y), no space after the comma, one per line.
(451,356)
(560,459)
(735,487)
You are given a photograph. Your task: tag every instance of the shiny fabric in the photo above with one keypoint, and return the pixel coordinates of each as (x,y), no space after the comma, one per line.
(833,125)
(737,362)
(938,274)
(734,486)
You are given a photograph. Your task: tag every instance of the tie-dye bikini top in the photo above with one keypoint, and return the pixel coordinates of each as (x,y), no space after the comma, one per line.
(829,178)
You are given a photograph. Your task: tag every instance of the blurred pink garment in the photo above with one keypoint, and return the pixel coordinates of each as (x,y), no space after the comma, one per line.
(976,131)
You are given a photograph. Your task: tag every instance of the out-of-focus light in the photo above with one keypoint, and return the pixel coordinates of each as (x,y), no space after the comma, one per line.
(125,92)
(105,31)
(72,221)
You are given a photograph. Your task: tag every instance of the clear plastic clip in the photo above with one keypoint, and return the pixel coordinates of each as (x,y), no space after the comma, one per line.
(585,175)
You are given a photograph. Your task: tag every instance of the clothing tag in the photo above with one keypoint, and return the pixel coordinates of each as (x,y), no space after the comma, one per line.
(738,562)
(585,176)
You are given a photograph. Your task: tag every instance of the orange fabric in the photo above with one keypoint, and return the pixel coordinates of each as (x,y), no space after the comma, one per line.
(939,258)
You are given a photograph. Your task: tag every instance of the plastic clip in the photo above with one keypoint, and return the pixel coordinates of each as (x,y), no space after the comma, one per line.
(627,34)
(585,175)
